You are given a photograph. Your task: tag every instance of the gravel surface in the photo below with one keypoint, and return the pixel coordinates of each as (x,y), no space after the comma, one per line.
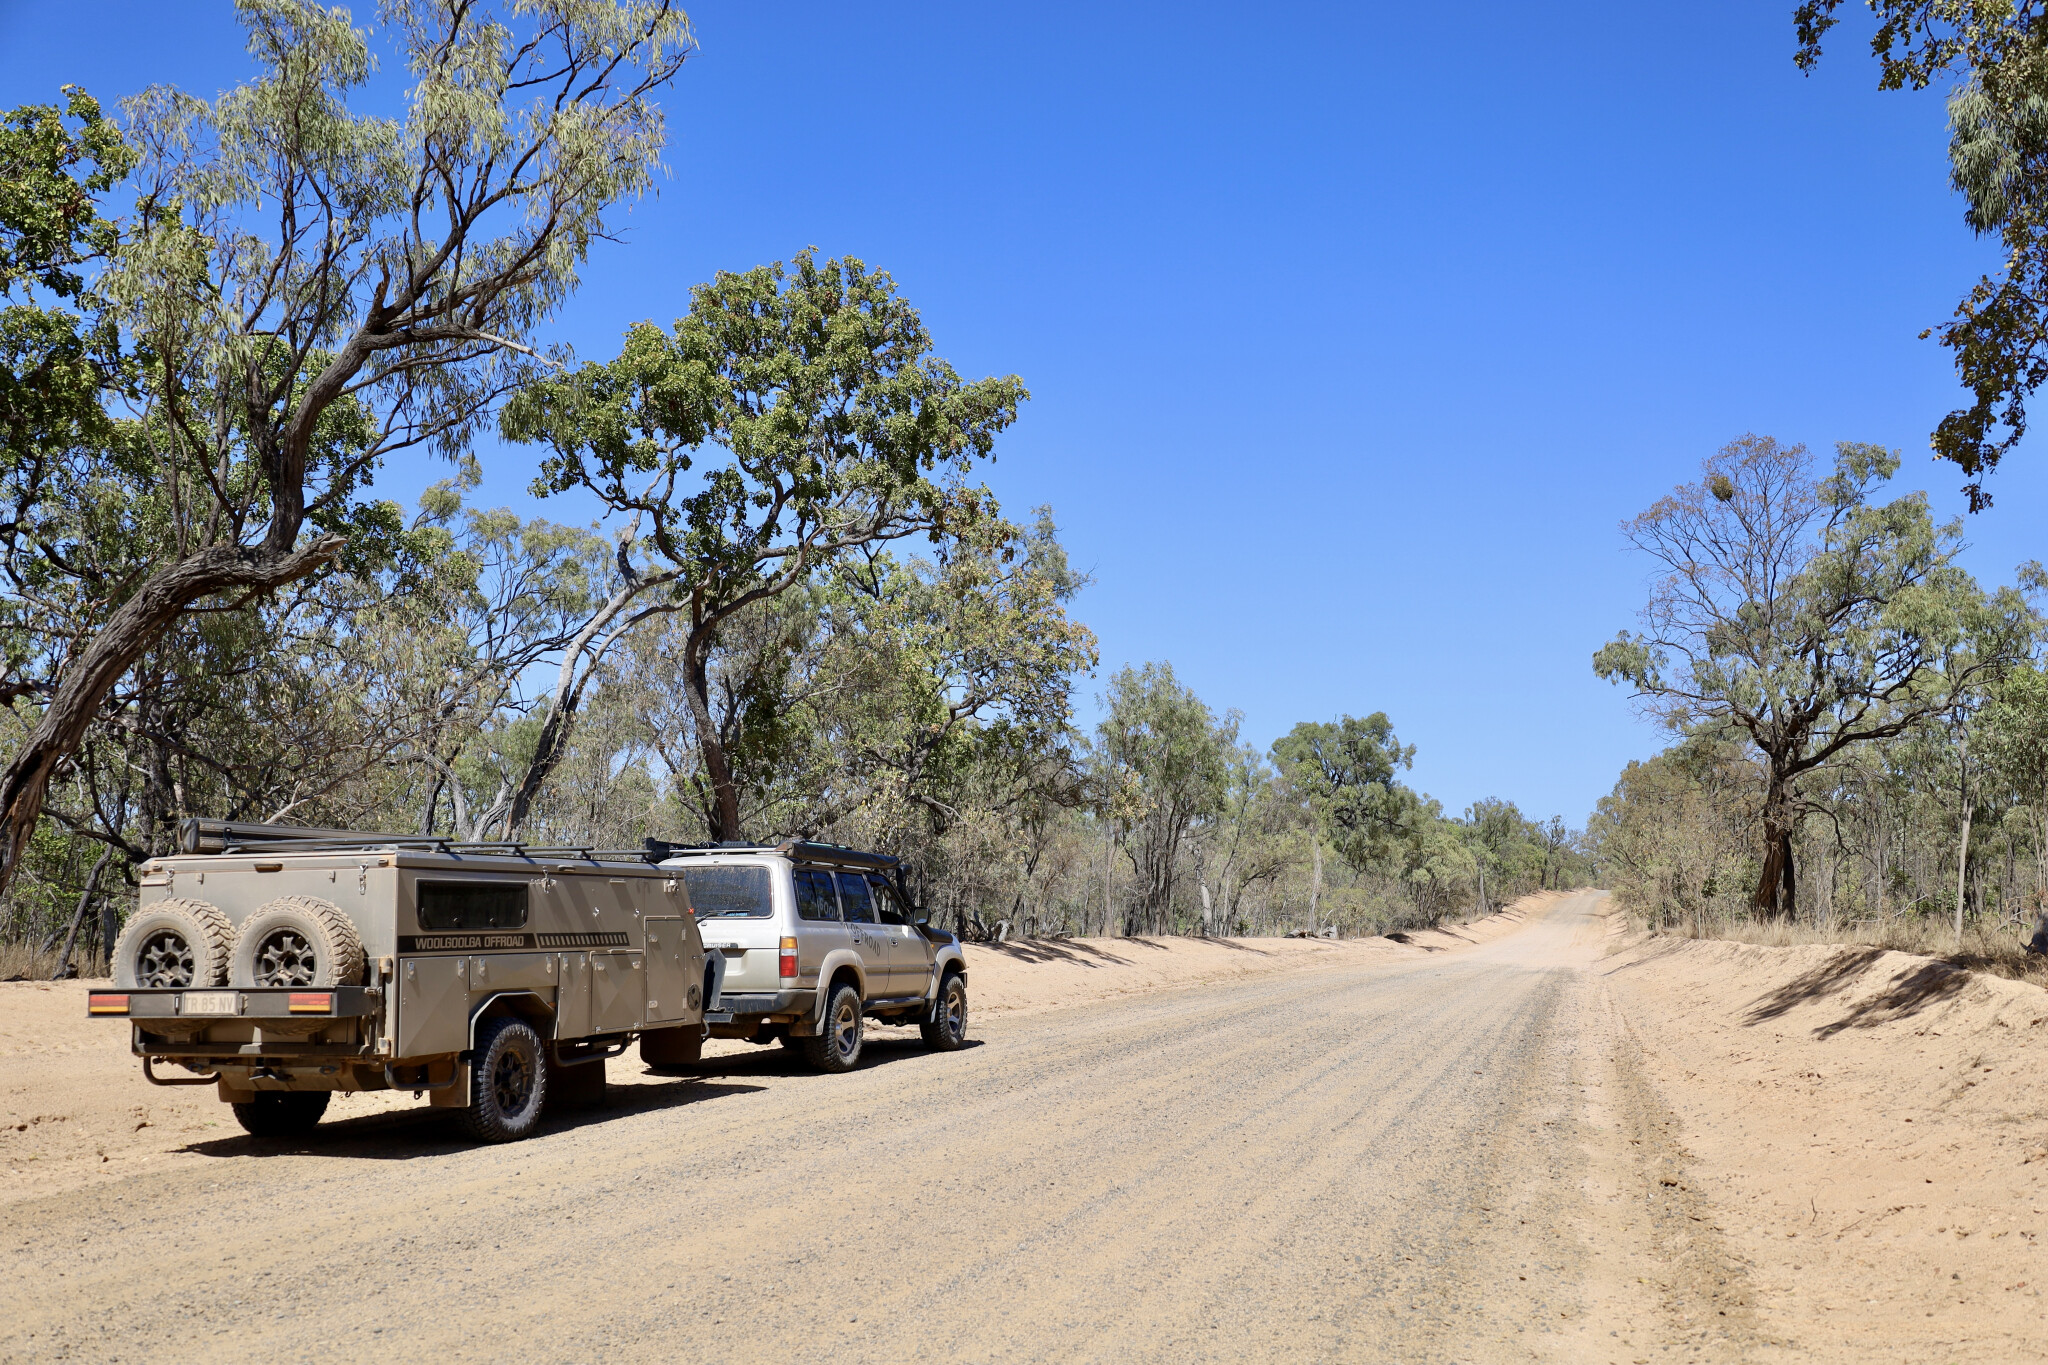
(1444,1156)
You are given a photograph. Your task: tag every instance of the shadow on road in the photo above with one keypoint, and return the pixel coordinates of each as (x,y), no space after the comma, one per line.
(432,1132)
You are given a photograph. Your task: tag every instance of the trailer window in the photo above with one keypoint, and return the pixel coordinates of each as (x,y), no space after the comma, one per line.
(472,905)
(728,892)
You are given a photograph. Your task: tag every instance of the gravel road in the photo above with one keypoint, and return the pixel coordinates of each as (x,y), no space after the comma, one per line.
(1446,1158)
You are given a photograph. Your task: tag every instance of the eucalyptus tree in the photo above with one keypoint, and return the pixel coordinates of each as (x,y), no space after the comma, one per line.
(1998,160)
(1169,753)
(310,289)
(1345,770)
(1793,612)
(822,421)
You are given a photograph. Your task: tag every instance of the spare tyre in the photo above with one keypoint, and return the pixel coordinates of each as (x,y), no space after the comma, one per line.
(298,941)
(173,943)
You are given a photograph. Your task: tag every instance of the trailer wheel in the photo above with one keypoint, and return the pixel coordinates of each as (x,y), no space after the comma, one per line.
(173,943)
(508,1082)
(837,1044)
(946,1031)
(298,941)
(282,1113)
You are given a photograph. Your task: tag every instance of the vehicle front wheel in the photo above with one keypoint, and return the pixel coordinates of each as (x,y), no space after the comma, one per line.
(508,1083)
(282,1113)
(946,1030)
(837,1044)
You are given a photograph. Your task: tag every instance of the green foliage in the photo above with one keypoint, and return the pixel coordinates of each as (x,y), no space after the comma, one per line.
(1799,616)
(1346,771)
(1998,149)
(793,418)
(1165,765)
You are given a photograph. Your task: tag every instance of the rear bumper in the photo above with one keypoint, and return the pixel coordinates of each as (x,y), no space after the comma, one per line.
(779,1002)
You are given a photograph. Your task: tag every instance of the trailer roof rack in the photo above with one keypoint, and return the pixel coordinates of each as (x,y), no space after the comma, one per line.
(237,836)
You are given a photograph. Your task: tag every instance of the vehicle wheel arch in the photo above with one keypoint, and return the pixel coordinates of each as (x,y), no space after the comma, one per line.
(527,1005)
(840,964)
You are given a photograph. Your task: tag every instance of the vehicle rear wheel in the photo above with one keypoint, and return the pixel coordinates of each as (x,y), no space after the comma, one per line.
(837,1044)
(282,1113)
(508,1082)
(946,1030)
(173,943)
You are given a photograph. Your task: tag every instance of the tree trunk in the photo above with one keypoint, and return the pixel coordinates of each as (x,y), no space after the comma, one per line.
(1315,891)
(570,680)
(92,884)
(722,815)
(1776,887)
(136,626)
(1963,848)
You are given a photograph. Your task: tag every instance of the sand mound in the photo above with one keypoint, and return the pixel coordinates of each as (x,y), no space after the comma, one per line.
(1872,1128)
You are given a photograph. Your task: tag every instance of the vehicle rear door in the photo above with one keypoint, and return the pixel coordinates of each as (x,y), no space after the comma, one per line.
(819,928)
(872,938)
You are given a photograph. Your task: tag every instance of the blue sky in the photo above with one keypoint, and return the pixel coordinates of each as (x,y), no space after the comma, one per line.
(1352,331)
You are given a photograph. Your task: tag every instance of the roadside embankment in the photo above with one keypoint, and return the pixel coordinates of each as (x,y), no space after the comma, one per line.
(1871,1130)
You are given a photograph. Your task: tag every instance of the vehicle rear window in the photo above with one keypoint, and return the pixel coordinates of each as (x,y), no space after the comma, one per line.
(814,898)
(472,905)
(728,892)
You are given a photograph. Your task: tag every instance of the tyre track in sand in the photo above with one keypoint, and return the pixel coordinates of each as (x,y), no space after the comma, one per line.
(1446,1158)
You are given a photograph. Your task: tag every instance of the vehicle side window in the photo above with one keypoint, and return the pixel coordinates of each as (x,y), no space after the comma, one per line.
(888,909)
(853,894)
(814,898)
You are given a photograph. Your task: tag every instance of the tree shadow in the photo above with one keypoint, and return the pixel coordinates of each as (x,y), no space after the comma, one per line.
(1055,950)
(1826,979)
(1910,991)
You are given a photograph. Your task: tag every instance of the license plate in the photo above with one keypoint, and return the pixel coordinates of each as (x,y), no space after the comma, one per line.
(208,1002)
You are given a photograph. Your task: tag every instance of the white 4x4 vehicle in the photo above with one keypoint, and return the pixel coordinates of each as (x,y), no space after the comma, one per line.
(815,939)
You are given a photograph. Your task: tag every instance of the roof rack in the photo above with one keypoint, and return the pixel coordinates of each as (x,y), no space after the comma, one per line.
(808,850)
(235,836)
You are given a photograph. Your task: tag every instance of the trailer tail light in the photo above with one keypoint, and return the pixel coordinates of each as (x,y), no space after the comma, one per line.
(310,1003)
(788,961)
(106,1004)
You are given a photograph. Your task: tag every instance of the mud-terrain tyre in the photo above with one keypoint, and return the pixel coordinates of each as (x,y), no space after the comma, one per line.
(836,1047)
(946,1031)
(282,1113)
(298,941)
(174,943)
(508,1081)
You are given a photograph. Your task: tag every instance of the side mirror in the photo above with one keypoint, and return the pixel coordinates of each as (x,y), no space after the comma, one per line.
(920,915)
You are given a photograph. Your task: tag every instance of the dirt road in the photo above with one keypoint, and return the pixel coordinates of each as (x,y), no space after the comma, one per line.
(1441,1156)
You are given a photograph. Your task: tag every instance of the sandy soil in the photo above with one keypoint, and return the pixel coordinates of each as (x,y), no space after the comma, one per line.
(1868,1128)
(74,1108)
(1526,1139)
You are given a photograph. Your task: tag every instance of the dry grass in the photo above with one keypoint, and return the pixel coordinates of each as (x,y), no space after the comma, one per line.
(21,962)
(1993,948)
